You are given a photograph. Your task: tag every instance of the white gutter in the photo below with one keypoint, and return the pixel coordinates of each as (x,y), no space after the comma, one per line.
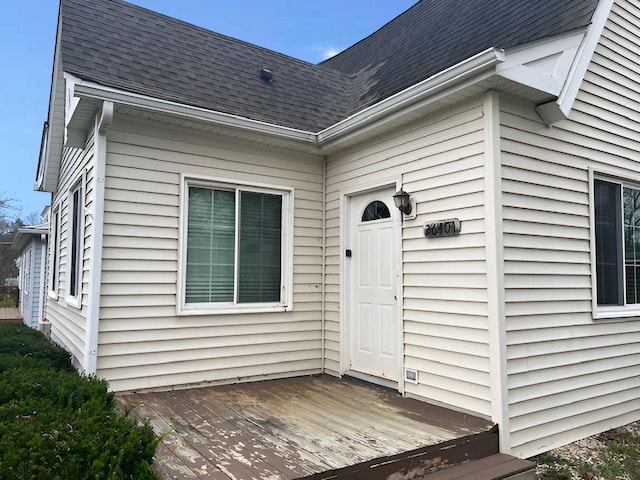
(457,73)
(482,62)
(103,122)
(120,97)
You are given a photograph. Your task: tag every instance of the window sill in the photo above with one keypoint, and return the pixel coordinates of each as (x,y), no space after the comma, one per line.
(53,295)
(74,302)
(232,310)
(616,312)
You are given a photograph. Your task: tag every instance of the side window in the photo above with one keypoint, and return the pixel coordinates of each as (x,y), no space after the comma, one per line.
(74,242)
(26,277)
(54,239)
(617,235)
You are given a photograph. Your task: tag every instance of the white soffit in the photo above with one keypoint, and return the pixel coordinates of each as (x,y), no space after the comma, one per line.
(544,65)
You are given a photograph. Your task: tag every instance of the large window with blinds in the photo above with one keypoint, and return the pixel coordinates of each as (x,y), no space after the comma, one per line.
(617,242)
(235,247)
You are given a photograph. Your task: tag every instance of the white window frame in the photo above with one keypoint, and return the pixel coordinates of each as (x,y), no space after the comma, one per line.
(609,311)
(54,254)
(287,193)
(75,299)
(26,268)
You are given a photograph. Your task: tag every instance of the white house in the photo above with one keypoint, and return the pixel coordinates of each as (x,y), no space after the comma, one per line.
(31,242)
(223,213)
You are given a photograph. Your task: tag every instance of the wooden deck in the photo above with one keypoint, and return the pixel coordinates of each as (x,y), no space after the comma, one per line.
(309,427)
(10,315)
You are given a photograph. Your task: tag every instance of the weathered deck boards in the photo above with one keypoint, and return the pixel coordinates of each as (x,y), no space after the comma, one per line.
(10,315)
(292,428)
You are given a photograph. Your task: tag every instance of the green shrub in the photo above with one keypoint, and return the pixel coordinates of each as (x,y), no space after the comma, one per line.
(56,424)
(18,340)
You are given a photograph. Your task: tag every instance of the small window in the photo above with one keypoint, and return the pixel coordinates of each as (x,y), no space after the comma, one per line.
(376,210)
(26,277)
(55,252)
(74,244)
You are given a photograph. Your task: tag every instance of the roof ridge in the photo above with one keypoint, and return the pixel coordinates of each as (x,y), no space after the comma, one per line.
(222,36)
(370,35)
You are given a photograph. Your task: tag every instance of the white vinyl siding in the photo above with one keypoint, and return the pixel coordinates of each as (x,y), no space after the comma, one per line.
(31,276)
(68,320)
(143,343)
(441,163)
(569,375)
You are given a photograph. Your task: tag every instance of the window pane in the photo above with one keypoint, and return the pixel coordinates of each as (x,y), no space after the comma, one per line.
(54,252)
(376,210)
(632,244)
(260,247)
(210,246)
(608,243)
(74,280)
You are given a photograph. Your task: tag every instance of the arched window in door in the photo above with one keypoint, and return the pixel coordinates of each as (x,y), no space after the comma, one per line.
(376,210)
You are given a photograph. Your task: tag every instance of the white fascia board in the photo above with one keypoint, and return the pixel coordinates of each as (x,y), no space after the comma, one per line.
(559,109)
(585,52)
(543,65)
(90,90)
(483,61)
(51,155)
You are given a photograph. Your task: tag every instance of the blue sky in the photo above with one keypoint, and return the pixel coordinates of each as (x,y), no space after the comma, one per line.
(305,29)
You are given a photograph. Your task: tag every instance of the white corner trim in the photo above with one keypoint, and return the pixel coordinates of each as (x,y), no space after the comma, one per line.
(495,270)
(102,122)
(588,46)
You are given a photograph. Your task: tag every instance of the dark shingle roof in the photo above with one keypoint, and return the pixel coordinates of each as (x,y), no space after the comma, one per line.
(436,34)
(121,45)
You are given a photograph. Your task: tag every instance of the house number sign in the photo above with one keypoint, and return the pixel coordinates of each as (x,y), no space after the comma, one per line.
(442,228)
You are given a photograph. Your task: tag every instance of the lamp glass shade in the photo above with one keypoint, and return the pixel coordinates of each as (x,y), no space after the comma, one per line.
(401,199)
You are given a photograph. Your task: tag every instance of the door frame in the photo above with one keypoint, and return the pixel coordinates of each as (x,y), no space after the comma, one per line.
(345,300)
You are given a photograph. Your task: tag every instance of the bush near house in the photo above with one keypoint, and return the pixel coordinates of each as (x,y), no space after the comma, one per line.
(56,424)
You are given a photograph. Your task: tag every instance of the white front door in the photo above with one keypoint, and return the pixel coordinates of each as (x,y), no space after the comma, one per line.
(372,269)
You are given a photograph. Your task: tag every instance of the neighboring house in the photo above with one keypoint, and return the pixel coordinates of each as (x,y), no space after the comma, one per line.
(31,242)
(223,213)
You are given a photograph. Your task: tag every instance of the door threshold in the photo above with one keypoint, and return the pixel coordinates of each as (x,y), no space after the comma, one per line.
(383,382)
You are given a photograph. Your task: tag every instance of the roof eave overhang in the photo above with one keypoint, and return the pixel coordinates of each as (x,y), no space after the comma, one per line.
(89,94)
(50,154)
(554,68)
(24,235)
(455,78)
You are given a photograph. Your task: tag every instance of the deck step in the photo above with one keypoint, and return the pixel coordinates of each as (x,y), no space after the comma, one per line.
(493,467)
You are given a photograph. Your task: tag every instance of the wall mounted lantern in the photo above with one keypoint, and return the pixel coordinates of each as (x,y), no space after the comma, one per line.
(403,201)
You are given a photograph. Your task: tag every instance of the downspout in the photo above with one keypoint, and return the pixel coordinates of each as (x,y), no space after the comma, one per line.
(324,258)
(103,122)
